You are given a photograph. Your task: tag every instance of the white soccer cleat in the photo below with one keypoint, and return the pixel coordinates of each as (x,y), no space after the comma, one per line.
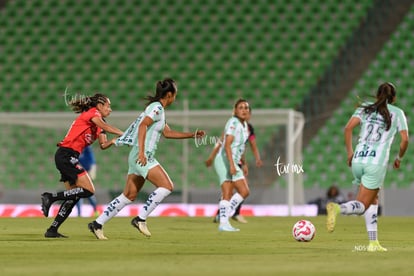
(227,228)
(141,226)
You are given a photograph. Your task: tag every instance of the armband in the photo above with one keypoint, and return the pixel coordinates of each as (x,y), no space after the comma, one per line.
(399,158)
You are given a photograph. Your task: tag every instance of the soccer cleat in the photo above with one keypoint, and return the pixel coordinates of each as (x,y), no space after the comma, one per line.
(141,226)
(97,230)
(227,228)
(46,203)
(239,218)
(332,210)
(374,246)
(216,219)
(54,234)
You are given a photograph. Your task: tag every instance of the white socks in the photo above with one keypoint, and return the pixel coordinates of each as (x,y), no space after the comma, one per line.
(154,199)
(121,201)
(235,201)
(353,207)
(224,210)
(356,207)
(113,208)
(371,216)
(227,208)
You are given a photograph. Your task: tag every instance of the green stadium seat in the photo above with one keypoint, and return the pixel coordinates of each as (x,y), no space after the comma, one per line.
(387,58)
(265,51)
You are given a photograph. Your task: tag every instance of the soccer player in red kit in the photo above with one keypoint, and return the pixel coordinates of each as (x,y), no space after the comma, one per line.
(85,129)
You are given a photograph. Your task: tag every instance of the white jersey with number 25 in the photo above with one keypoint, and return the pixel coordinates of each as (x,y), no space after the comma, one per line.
(374,141)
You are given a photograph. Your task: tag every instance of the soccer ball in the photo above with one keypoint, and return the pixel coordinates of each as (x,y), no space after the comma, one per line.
(303,231)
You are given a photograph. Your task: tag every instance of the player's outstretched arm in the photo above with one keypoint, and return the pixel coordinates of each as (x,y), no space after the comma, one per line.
(172,134)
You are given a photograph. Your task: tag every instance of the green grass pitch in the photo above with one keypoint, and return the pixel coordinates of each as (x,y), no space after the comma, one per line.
(193,246)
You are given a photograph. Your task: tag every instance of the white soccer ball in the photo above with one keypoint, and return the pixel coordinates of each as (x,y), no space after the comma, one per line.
(303,231)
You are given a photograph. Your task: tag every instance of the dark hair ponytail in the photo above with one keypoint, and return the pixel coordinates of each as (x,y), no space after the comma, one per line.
(385,95)
(162,88)
(84,103)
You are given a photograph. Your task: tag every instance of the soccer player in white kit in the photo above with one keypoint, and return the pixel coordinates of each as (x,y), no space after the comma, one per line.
(143,136)
(231,176)
(379,121)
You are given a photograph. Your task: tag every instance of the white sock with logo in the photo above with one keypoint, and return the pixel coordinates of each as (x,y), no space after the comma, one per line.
(154,199)
(235,201)
(113,208)
(371,217)
(353,207)
(224,209)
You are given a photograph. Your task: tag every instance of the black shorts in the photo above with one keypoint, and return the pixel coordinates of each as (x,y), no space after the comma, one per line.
(67,162)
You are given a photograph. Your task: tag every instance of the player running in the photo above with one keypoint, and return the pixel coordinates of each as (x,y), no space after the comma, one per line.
(86,128)
(379,121)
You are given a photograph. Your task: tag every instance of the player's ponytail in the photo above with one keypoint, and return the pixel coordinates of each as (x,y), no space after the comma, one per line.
(161,90)
(84,103)
(385,95)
